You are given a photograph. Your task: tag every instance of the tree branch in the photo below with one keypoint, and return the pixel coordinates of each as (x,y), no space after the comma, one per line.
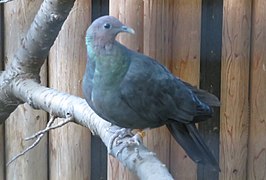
(39,136)
(137,158)
(5,1)
(50,127)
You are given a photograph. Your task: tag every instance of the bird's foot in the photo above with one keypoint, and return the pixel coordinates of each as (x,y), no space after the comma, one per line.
(135,140)
(116,139)
(140,132)
(118,135)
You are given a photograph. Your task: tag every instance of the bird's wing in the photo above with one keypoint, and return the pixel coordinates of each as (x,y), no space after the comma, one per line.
(87,82)
(155,94)
(204,96)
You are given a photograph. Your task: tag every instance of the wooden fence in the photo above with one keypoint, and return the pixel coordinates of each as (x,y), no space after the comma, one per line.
(218,45)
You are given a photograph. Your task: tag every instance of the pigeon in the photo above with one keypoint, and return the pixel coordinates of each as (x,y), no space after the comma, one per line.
(134,91)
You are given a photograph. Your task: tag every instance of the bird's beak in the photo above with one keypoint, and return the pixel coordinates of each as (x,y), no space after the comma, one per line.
(127,29)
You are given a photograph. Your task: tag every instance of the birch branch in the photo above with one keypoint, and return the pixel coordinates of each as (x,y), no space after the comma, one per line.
(5,1)
(39,136)
(137,158)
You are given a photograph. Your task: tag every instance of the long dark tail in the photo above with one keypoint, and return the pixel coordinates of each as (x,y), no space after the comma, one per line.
(189,138)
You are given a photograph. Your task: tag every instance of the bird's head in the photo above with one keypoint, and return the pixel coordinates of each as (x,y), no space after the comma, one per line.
(104,30)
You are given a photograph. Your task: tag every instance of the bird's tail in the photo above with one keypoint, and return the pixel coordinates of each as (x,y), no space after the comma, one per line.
(189,138)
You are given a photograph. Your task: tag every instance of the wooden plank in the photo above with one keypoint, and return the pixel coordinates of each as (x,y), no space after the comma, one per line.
(186,65)
(98,149)
(210,80)
(158,44)
(69,146)
(257,141)
(24,121)
(2,126)
(131,14)
(235,89)
(158,30)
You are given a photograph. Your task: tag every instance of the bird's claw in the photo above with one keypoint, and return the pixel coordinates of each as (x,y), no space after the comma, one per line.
(134,140)
(117,136)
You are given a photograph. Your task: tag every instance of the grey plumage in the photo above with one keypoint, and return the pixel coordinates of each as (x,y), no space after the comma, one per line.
(132,90)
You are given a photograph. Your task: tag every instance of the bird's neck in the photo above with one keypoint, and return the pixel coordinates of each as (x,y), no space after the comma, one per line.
(100,43)
(111,63)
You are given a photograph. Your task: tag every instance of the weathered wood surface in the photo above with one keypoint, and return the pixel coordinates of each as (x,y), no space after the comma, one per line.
(131,14)
(186,65)
(69,146)
(235,89)
(24,121)
(257,141)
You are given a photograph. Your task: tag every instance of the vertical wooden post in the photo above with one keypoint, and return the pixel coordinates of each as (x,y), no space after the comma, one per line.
(24,121)
(235,89)
(158,30)
(158,44)
(131,14)
(69,147)
(186,65)
(257,141)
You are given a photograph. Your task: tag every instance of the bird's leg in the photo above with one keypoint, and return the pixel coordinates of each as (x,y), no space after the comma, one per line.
(134,140)
(117,136)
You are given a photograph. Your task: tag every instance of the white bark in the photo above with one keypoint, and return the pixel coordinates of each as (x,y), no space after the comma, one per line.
(143,162)
(19,83)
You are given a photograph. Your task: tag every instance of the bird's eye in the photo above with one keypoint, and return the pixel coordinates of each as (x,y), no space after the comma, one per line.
(107,26)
